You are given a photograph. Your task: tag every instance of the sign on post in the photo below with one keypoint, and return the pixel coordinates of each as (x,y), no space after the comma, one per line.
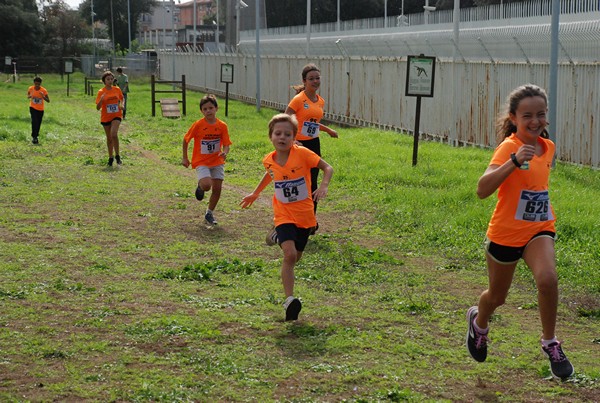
(68,71)
(227,78)
(420,76)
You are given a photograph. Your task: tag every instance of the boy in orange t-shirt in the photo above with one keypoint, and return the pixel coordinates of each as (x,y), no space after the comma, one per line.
(36,95)
(211,146)
(289,168)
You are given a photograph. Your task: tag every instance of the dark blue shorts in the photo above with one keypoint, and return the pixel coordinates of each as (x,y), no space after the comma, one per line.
(110,123)
(289,232)
(511,254)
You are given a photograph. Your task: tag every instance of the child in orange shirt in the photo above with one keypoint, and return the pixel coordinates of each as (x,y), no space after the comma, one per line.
(37,95)
(293,202)
(109,102)
(522,225)
(211,146)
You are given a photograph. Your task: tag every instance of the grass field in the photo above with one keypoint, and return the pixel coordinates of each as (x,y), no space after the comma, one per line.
(112,289)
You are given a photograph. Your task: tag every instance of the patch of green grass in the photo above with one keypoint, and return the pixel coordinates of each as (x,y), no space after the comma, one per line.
(113,289)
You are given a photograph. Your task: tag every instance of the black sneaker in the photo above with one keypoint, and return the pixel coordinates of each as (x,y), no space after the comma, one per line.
(35,140)
(118,159)
(110,161)
(476,342)
(560,366)
(210,219)
(271,238)
(292,307)
(199,193)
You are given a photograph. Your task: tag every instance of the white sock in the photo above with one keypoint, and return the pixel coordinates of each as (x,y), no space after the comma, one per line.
(288,300)
(546,343)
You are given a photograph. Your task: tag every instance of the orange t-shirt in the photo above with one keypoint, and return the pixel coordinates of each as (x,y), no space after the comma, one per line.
(309,114)
(37,97)
(292,201)
(523,207)
(209,140)
(110,105)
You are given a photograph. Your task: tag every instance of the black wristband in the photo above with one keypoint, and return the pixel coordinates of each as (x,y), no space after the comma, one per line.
(514,160)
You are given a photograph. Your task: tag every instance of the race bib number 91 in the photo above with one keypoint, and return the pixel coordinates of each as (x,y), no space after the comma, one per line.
(291,190)
(210,146)
(534,206)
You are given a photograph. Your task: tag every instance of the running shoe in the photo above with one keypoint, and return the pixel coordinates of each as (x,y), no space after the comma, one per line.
(210,219)
(560,366)
(199,193)
(292,307)
(271,238)
(118,159)
(110,161)
(476,341)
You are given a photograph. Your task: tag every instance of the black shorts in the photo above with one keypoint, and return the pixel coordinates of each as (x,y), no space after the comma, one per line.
(289,232)
(511,254)
(110,123)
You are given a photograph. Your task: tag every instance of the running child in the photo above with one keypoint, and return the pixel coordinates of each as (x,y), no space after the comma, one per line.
(211,146)
(522,225)
(308,106)
(289,168)
(109,102)
(36,95)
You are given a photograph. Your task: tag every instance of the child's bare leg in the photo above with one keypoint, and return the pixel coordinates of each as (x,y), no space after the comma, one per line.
(216,193)
(114,135)
(109,142)
(290,257)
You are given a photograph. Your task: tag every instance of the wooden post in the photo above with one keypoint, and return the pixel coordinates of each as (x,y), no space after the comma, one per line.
(153,96)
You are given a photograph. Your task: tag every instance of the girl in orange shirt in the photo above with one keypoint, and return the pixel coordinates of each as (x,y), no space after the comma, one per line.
(289,168)
(522,225)
(308,106)
(109,102)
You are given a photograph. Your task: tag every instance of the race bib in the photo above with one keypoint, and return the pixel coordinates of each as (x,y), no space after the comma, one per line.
(112,108)
(210,146)
(310,129)
(37,101)
(534,206)
(291,190)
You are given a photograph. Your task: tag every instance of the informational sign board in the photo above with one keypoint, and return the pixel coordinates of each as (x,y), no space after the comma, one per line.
(227,78)
(227,73)
(68,66)
(7,60)
(420,76)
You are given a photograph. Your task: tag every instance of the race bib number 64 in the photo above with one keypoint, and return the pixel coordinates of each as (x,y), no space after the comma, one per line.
(291,190)
(534,206)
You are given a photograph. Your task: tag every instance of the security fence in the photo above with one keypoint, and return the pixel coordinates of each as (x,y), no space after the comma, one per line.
(364,72)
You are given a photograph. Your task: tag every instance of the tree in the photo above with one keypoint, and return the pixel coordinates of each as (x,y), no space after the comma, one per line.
(64,28)
(21,32)
(102,8)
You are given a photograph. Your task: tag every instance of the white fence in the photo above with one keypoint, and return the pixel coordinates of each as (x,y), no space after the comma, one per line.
(364,73)
(370,92)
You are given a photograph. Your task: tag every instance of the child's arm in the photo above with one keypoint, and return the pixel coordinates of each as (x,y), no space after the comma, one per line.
(249,199)
(46,97)
(321,192)
(328,130)
(185,161)
(224,152)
